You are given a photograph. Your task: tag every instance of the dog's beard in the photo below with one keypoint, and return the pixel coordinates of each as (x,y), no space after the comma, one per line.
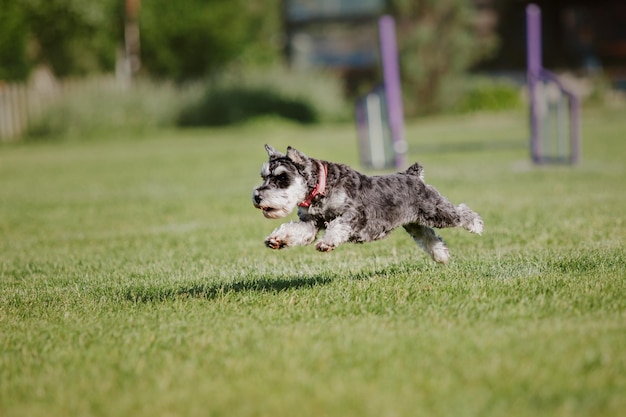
(277,205)
(275,213)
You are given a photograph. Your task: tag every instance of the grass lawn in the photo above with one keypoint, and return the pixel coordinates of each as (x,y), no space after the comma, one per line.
(134,282)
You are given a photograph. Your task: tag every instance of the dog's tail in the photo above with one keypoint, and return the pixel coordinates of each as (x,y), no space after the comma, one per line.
(416,169)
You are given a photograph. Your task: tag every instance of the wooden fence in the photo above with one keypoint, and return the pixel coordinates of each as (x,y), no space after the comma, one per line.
(19,105)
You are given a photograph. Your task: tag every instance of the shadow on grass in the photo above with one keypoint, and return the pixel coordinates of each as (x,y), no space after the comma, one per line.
(210,291)
(146,292)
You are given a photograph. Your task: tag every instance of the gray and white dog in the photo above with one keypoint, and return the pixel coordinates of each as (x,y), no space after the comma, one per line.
(353,207)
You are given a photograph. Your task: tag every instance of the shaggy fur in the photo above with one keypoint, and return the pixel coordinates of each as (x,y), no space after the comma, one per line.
(355,207)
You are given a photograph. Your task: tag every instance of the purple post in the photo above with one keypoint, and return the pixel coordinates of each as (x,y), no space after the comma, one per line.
(537,74)
(575,128)
(393,91)
(534,67)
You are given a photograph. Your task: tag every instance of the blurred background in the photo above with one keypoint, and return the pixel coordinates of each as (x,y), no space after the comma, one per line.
(71,68)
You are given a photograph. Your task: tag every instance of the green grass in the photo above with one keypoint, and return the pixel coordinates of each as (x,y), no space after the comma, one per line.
(134,282)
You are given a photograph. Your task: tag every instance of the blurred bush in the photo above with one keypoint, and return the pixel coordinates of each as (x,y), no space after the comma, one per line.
(488,94)
(234,97)
(229,105)
(88,108)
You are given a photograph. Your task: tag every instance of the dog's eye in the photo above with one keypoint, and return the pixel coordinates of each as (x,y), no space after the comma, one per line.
(282,180)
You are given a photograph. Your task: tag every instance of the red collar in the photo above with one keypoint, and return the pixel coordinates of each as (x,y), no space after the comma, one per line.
(320,187)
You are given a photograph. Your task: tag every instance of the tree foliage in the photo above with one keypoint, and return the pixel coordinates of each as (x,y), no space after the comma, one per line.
(188,39)
(438,44)
(73,36)
(179,39)
(14,63)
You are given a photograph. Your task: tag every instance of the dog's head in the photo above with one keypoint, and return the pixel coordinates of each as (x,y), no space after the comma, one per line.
(285,182)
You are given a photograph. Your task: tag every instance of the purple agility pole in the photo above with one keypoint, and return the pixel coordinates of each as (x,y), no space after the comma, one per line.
(576,137)
(393,91)
(533,62)
(537,74)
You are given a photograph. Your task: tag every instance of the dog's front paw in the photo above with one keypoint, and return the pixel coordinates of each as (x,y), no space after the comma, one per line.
(273,243)
(476,226)
(324,247)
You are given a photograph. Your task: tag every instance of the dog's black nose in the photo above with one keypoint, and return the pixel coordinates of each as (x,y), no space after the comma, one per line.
(257,197)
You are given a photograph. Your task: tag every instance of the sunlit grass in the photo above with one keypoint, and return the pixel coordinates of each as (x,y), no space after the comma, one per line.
(134,281)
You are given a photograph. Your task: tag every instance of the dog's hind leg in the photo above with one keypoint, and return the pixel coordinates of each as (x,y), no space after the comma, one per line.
(432,244)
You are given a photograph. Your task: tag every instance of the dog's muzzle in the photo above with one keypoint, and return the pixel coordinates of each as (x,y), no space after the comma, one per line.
(269,212)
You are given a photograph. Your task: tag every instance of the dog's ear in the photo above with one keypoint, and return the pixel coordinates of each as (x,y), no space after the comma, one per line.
(273,153)
(296,156)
